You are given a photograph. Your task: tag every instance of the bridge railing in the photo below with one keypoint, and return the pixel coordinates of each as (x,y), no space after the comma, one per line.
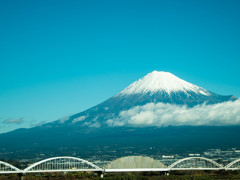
(195,163)
(6,168)
(235,165)
(65,164)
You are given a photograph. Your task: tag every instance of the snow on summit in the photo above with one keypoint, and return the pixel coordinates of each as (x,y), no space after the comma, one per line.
(160,81)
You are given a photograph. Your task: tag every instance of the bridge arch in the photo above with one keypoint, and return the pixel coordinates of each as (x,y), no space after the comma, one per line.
(8,168)
(64,163)
(195,163)
(233,165)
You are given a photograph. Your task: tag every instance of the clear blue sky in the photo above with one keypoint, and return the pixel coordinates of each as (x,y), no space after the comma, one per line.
(59,57)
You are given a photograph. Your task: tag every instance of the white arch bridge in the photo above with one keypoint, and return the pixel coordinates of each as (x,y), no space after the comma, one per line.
(73,164)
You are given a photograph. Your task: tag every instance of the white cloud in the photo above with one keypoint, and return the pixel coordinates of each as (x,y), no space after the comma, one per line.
(93,124)
(38,123)
(13,121)
(81,118)
(65,118)
(226,113)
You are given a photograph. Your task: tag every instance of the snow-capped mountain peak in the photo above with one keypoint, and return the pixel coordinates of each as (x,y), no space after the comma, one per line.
(160,81)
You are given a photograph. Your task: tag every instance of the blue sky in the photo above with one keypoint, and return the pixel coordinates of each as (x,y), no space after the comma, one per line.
(58,57)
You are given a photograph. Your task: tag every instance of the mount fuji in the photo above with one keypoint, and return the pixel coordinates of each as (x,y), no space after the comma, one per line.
(158,110)
(155,87)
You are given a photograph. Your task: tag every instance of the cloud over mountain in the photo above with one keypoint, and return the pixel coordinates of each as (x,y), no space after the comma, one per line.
(161,115)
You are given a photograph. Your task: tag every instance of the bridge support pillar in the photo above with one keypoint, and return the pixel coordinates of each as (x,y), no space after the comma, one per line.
(100,174)
(20,176)
(166,173)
